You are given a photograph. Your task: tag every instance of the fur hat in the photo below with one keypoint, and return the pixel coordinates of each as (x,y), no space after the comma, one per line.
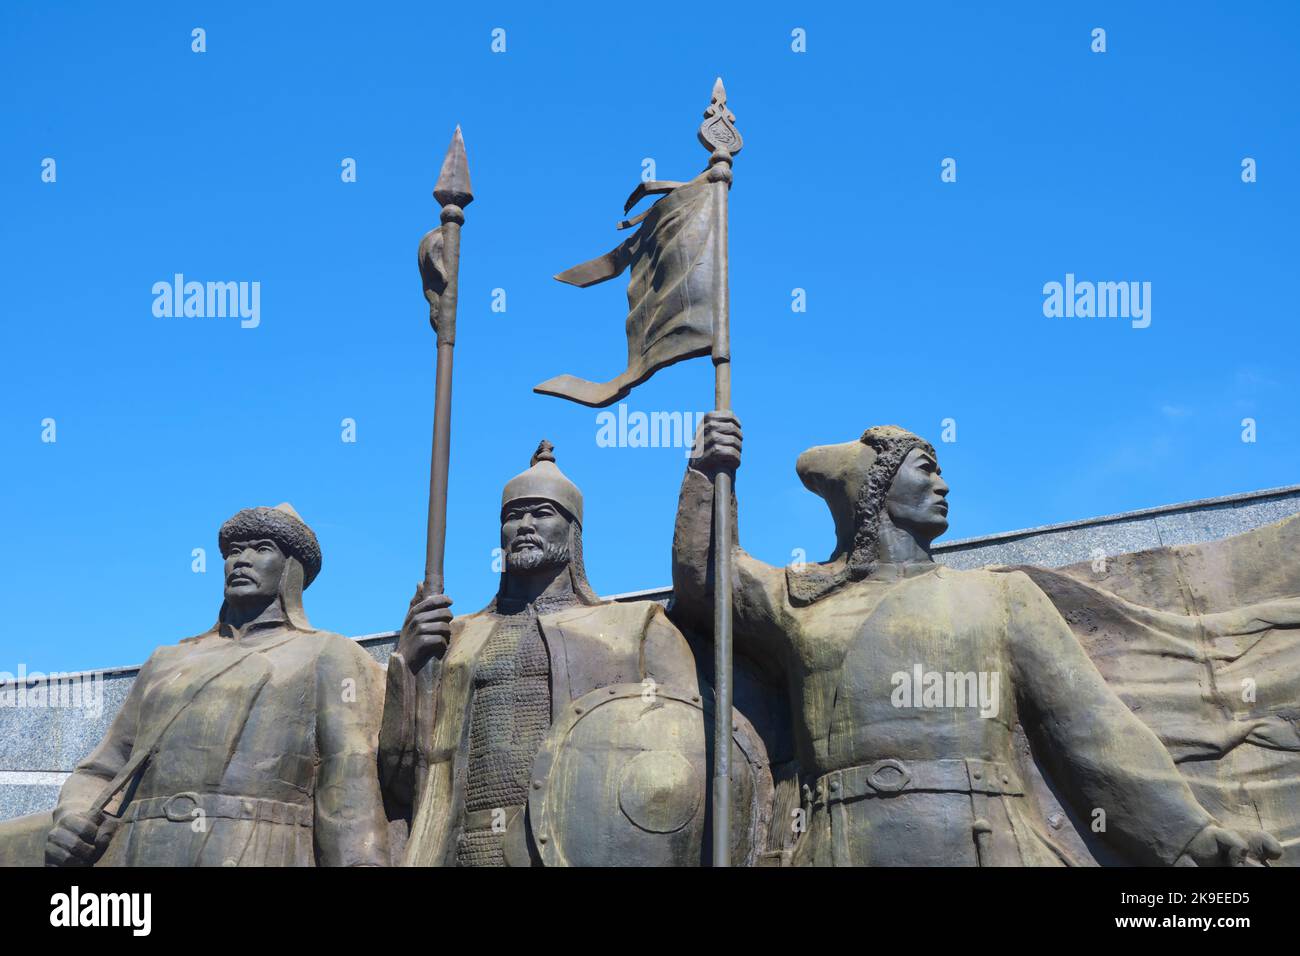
(280,524)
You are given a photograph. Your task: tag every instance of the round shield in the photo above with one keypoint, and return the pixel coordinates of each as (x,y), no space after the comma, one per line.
(622,779)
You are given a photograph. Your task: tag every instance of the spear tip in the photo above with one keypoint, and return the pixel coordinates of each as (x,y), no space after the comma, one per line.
(453,184)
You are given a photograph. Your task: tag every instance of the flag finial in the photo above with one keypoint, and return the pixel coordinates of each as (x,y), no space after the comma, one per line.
(718,131)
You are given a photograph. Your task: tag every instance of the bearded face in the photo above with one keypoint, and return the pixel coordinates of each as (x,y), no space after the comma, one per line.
(534,536)
(550,556)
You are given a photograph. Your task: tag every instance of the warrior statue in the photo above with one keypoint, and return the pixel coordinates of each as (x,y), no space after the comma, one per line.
(253,744)
(563,729)
(907,679)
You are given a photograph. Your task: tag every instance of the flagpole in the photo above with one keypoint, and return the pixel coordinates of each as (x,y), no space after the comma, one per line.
(674,260)
(718,134)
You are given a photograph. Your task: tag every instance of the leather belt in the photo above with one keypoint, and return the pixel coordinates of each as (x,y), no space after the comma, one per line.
(182,807)
(896,776)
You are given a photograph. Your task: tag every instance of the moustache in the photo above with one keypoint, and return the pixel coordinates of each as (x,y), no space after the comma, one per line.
(527,539)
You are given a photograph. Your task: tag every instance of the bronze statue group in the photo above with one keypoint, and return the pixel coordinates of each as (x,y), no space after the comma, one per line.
(554,728)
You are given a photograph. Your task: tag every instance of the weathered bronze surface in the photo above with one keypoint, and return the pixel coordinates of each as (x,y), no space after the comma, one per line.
(562,729)
(1199,642)
(901,769)
(22,839)
(252,744)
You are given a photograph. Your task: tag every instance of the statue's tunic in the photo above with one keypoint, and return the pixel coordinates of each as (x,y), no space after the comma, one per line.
(894,781)
(449,761)
(253,751)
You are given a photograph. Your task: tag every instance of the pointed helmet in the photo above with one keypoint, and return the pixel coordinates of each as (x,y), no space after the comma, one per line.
(543,479)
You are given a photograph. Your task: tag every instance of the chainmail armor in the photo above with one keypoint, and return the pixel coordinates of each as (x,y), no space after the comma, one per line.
(510,712)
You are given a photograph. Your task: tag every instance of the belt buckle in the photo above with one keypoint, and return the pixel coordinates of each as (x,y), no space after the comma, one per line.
(888,775)
(177,816)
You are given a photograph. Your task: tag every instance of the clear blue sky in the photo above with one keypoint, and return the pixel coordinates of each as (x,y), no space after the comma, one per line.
(924,298)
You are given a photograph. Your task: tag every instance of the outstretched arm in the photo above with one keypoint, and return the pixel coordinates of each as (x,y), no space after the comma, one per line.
(1108,759)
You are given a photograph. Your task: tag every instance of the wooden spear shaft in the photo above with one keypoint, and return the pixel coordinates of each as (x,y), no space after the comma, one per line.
(454,193)
(440,458)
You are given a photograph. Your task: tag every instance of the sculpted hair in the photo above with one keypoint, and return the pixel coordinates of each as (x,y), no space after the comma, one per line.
(892,445)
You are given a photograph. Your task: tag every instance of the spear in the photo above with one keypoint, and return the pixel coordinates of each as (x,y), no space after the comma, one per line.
(439,259)
(440,270)
(719,134)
